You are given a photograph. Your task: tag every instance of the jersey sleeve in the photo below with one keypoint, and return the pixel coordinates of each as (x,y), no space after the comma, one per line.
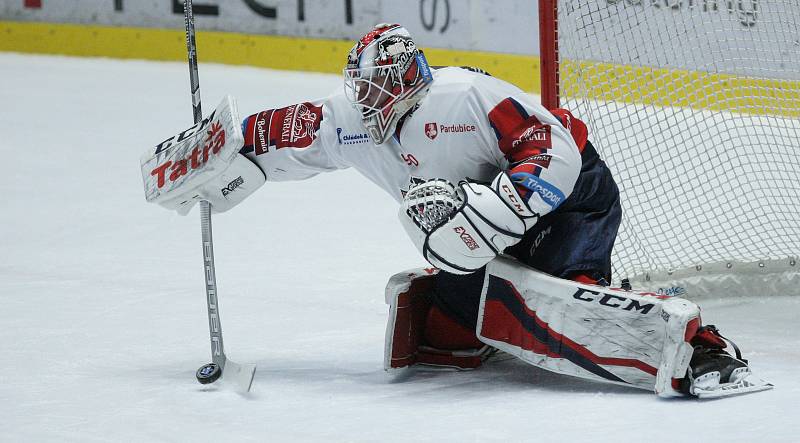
(542,155)
(293,142)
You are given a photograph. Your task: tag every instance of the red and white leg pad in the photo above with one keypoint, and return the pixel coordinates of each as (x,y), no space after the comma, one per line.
(419,333)
(588,331)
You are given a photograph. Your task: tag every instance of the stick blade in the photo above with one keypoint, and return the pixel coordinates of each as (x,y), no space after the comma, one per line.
(241,375)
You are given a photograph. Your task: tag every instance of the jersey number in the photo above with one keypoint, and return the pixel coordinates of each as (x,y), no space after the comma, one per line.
(410,159)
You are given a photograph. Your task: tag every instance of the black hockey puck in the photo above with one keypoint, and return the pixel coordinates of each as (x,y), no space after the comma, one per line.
(208,373)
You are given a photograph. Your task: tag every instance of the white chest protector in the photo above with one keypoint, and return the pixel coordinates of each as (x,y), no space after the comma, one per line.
(449,136)
(469,126)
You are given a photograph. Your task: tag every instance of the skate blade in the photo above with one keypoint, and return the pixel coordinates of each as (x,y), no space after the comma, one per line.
(745,386)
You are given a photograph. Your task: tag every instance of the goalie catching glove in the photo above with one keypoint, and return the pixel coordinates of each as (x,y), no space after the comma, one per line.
(460,229)
(202,163)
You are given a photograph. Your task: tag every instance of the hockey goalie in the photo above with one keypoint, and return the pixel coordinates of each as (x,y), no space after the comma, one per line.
(508,201)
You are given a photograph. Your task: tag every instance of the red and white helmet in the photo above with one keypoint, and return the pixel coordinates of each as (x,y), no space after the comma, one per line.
(386,75)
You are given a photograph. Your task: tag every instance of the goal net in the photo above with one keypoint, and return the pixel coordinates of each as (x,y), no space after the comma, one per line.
(695,107)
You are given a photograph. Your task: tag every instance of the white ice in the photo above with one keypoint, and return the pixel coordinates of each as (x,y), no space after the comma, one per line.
(103,311)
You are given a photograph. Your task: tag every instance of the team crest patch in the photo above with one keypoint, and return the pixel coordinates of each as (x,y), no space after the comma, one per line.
(431,130)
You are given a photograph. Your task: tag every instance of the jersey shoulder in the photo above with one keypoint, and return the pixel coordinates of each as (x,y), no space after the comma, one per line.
(457,84)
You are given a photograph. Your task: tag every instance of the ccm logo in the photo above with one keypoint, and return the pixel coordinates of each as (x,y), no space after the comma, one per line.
(613,301)
(512,197)
(466,238)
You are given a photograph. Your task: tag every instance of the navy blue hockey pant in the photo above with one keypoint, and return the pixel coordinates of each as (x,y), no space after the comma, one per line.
(576,238)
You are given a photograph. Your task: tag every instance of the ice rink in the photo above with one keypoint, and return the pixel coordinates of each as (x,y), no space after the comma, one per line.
(104,318)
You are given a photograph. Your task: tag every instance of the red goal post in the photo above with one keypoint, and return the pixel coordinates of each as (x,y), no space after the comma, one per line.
(695,107)
(548,52)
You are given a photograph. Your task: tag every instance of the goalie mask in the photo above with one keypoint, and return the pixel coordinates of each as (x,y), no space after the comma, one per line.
(385,77)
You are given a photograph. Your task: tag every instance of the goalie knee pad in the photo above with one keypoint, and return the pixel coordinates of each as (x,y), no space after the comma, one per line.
(443,332)
(419,333)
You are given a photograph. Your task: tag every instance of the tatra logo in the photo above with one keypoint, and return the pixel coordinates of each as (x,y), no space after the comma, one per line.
(239,181)
(466,238)
(351,139)
(215,140)
(431,130)
(613,301)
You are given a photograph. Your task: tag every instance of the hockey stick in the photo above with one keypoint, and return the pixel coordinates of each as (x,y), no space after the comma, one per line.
(241,375)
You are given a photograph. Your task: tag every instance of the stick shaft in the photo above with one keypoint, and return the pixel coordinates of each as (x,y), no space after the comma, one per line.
(191,49)
(214,325)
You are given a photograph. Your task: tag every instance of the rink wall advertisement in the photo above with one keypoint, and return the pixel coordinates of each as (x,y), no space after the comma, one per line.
(311,35)
(499,35)
(455,24)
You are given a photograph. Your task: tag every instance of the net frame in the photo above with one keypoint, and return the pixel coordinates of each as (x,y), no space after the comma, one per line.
(686,128)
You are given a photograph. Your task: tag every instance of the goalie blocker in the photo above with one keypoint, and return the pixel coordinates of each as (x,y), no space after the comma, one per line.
(642,340)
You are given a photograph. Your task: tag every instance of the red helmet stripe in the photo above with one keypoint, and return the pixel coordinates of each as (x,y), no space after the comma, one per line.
(372,35)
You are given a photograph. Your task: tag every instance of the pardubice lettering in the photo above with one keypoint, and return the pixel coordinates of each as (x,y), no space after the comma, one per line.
(457,128)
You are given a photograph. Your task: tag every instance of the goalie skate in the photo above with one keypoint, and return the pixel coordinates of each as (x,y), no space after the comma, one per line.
(742,381)
(713,373)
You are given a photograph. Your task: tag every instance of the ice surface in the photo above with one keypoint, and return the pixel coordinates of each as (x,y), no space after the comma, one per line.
(104,317)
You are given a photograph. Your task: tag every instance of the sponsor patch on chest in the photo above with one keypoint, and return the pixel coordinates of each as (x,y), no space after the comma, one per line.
(435,129)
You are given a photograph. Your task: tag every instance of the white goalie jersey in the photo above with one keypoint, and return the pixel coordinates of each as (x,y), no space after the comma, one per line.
(469,125)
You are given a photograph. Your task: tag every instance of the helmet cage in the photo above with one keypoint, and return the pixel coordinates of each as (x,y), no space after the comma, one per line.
(373,90)
(385,77)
